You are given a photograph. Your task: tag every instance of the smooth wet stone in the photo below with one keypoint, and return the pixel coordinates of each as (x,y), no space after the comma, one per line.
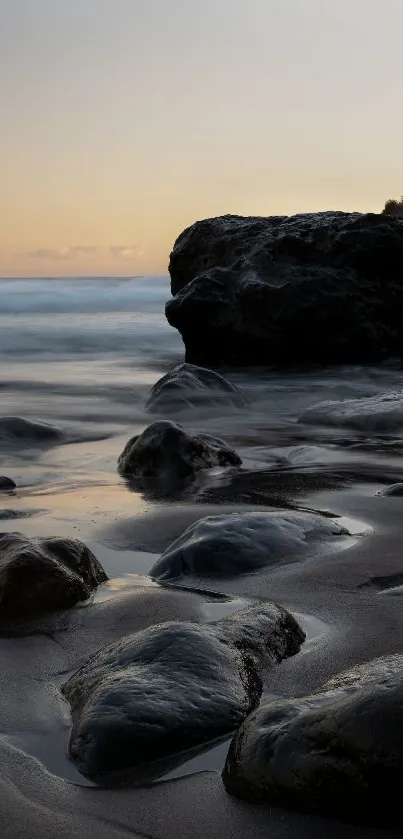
(394,491)
(173,686)
(381,414)
(338,752)
(228,545)
(166,450)
(6,484)
(43,575)
(27,432)
(188,386)
(319,287)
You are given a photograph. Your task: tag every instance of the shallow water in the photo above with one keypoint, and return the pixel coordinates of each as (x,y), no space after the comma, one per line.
(82,355)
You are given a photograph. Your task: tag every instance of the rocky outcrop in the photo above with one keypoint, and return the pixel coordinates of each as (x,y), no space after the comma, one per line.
(6,484)
(28,432)
(321,287)
(43,575)
(229,545)
(173,686)
(338,752)
(165,450)
(188,386)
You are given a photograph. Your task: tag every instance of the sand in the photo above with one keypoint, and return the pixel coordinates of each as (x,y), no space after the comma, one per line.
(337,597)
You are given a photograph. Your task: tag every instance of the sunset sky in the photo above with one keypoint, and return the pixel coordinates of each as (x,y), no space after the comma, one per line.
(123,121)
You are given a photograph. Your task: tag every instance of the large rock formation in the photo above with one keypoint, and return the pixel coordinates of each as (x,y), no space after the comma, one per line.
(43,575)
(187,386)
(338,752)
(228,545)
(173,686)
(167,451)
(321,287)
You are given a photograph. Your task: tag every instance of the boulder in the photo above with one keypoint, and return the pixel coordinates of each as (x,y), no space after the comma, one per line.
(6,484)
(188,386)
(172,687)
(28,432)
(338,752)
(165,450)
(228,545)
(43,575)
(317,287)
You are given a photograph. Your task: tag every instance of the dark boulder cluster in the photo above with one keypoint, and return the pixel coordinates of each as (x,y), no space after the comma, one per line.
(318,287)
(166,451)
(172,687)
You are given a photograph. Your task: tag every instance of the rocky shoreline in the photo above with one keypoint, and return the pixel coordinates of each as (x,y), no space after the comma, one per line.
(266,625)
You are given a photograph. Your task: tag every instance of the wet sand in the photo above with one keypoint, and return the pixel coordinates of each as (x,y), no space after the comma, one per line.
(339,597)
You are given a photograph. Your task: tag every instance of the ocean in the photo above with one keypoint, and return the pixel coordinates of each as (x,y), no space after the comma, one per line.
(83,354)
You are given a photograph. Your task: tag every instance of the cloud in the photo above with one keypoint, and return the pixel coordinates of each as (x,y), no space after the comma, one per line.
(126,251)
(66,252)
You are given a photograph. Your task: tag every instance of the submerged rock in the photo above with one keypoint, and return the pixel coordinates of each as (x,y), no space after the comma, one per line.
(188,386)
(317,287)
(6,484)
(394,491)
(227,545)
(28,432)
(165,450)
(338,752)
(42,575)
(173,686)
(18,514)
(380,414)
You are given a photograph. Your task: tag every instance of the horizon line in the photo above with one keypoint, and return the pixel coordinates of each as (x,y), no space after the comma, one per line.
(86,277)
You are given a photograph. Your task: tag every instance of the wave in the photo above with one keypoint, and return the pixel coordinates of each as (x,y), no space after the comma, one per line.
(84,295)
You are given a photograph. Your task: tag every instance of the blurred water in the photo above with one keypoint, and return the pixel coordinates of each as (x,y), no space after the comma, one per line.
(82,349)
(83,353)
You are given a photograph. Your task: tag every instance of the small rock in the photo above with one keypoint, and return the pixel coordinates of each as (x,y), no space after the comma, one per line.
(188,386)
(173,686)
(6,484)
(42,575)
(338,752)
(18,514)
(165,450)
(28,432)
(395,491)
(227,545)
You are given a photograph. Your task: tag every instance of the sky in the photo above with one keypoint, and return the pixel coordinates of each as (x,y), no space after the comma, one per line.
(124,121)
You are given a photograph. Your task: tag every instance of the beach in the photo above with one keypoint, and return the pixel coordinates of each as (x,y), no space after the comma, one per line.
(82,356)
